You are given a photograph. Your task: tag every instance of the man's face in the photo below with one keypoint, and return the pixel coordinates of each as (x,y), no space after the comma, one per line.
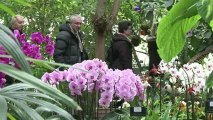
(19,23)
(76,24)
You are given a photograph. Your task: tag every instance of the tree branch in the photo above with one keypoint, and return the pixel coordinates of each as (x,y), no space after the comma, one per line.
(114,13)
(101,6)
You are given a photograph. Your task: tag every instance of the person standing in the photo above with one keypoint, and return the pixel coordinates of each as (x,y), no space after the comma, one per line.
(154,58)
(122,50)
(17,23)
(122,47)
(68,47)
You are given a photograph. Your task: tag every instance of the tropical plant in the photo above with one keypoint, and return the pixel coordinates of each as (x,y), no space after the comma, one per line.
(42,92)
(185,87)
(95,77)
(181,19)
(38,47)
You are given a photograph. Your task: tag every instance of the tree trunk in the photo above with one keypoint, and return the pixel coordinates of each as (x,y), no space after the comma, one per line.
(100,45)
(102,25)
(99,26)
(114,13)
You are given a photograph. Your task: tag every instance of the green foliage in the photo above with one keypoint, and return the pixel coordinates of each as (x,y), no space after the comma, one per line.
(205,9)
(211,24)
(181,18)
(43,16)
(9,44)
(5,8)
(30,99)
(150,12)
(8,10)
(165,115)
(173,28)
(209,81)
(23,2)
(23,98)
(199,39)
(25,77)
(10,116)
(117,115)
(3,110)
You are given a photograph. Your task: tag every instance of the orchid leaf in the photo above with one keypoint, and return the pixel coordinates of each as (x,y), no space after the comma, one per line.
(38,84)
(13,49)
(3,110)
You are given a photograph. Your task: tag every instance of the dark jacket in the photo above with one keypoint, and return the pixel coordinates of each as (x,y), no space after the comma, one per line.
(154,58)
(20,31)
(122,52)
(66,47)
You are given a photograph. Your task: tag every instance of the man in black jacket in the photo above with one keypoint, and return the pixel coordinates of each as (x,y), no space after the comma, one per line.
(69,48)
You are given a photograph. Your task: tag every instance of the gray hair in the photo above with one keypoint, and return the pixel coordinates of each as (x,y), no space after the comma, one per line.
(14,19)
(74,17)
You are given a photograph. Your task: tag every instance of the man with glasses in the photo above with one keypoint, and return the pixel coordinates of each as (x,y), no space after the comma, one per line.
(68,47)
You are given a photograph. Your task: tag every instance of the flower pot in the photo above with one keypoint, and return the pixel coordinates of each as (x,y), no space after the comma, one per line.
(101,112)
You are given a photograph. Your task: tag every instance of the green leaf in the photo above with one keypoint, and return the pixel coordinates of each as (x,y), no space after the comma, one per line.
(173,28)
(17,112)
(172,41)
(22,87)
(13,49)
(9,33)
(50,63)
(10,116)
(3,109)
(44,111)
(169,3)
(38,84)
(211,24)
(30,112)
(8,10)
(44,65)
(205,9)
(15,87)
(54,117)
(43,103)
(23,2)
(28,95)
(116,115)
(209,81)
(165,115)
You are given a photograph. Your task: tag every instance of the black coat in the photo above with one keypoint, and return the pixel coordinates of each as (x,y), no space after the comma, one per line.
(66,47)
(122,52)
(20,31)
